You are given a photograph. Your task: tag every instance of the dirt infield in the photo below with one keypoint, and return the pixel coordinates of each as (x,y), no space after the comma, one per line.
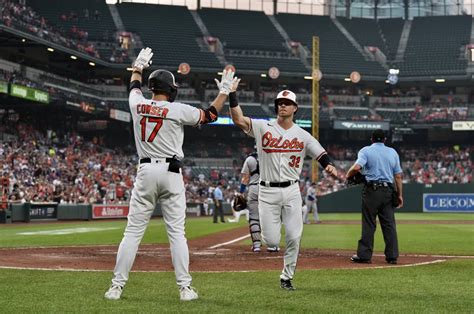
(210,253)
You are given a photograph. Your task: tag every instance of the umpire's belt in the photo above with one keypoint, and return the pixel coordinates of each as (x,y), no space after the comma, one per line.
(148,160)
(277,184)
(379,184)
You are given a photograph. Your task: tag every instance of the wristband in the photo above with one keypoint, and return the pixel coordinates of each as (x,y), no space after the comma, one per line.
(233,102)
(137,72)
(243,187)
(325,161)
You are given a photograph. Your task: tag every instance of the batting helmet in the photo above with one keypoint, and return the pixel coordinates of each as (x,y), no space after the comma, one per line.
(163,81)
(288,95)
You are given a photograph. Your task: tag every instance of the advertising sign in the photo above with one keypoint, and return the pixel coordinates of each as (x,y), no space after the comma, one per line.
(361,125)
(43,211)
(3,87)
(109,211)
(29,93)
(448,202)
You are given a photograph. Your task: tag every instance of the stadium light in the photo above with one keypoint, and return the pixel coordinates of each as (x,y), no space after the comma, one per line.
(263,75)
(387,81)
(23,40)
(347,79)
(440,80)
(307,77)
(92,64)
(73,57)
(50,49)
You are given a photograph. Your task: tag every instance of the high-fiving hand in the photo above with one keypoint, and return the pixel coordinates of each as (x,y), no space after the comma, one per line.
(331,170)
(228,83)
(143,60)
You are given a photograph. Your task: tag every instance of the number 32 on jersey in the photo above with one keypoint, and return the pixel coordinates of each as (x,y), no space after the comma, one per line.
(294,161)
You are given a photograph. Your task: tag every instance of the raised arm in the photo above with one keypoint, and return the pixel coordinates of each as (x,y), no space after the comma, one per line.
(142,62)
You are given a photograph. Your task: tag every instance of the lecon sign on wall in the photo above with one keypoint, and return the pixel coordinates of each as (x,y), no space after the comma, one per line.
(448,202)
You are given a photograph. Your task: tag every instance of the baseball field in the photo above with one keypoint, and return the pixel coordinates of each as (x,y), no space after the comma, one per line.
(67,266)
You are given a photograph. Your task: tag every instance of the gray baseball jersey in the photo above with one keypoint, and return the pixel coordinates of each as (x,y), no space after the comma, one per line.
(250,165)
(159,125)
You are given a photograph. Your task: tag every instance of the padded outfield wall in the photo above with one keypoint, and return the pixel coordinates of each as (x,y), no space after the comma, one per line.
(435,197)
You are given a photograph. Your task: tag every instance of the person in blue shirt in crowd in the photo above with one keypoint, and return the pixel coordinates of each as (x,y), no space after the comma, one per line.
(381,194)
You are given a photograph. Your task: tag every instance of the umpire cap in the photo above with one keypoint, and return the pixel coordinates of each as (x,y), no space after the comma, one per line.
(163,81)
(288,95)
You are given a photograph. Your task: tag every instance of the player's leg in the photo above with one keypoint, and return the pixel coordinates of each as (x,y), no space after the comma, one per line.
(306,213)
(291,216)
(142,205)
(269,211)
(254,220)
(173,206)
(315,212)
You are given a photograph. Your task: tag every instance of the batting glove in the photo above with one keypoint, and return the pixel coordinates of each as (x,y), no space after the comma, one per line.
(143,60)
(227,83)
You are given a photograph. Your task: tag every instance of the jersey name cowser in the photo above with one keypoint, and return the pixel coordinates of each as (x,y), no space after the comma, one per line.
(152,110)
(272,144)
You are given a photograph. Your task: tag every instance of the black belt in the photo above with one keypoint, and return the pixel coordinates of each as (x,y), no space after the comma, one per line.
(379,184)
(253,184)
(147,160)
(277,184)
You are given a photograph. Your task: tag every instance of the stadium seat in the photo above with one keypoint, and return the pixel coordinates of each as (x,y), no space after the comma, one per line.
(170,31)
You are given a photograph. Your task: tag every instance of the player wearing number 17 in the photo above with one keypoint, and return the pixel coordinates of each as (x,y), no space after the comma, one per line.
(281,146)
(158,128)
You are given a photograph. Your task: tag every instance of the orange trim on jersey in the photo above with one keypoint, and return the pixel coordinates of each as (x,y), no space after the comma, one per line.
(281,150)
(321,155)
(201,117)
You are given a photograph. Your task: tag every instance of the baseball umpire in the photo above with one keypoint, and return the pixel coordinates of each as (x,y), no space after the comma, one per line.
(158,128)
(380,165)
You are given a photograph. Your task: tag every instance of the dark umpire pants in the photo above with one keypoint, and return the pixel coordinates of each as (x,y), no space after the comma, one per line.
(218,211)
(377,202)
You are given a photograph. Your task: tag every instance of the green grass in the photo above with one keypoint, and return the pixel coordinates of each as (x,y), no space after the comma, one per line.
(445,287)
(456,239)
(402,216)
(156,232)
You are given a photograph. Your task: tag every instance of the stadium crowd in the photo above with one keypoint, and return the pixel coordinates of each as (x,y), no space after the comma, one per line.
(65,168)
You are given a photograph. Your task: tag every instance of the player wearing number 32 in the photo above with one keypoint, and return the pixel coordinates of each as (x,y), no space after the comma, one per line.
(158,128)
(281,146)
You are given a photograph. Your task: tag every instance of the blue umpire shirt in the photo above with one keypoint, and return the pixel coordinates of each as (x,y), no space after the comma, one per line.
(379,162)
(218,194)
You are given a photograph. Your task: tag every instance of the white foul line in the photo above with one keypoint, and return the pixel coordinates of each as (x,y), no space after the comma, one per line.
(230,242)
(218,271)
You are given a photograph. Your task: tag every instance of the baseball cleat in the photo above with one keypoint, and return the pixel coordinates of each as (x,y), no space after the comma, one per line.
(287,285)
(256,249)
(113,293)
(273,249)
(188,293)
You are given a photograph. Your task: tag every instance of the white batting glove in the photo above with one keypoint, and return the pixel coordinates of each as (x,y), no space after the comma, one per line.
(143,60)
(227,82)
(235,84)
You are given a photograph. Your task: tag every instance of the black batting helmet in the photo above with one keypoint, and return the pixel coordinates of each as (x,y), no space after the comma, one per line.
(163,81)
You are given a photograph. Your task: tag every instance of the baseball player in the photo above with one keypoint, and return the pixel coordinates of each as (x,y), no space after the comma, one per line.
(311,204)
(158,128)
(281,146)
(250,178)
